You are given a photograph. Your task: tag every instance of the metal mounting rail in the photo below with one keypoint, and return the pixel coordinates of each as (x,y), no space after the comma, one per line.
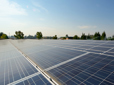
(52,81)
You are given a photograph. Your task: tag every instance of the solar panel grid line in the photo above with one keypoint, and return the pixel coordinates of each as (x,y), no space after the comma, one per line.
(95,50)
(83,50)
(109,50)
(96,68)
(20,66)
(10,58)
(65,62)
(43,80)
(42,72)
(107,77)
(46,54)
(4,73)
(61,80)
(96,75)
(37,51)
(76,43)
(11,71)
(45,75)
(98,45)
(24,74)
(68,48)
(8,72)
(30,67)
(52,53)
(24,67)
(91,45)
(17,68)
(22,71)
(25,78)
(66,77)
(47,63)
(92,52)
(96,72)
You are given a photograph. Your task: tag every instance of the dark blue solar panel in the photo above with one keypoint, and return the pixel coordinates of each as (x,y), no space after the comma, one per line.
(105,45)
(101,48)
(13,66)
(36,80)
(95,51)
(51,56)
(111,51)
(89,69)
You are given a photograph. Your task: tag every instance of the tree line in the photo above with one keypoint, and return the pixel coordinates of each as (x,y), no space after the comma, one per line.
(39,35)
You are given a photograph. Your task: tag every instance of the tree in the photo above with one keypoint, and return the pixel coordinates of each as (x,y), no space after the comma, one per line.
(113,37)
(19,35)
(39,35)
(97,36)
(1,33)
(4,36)
(83,36)
(75,37)
(88,36)
(103,36)
(55,37)
(66,35)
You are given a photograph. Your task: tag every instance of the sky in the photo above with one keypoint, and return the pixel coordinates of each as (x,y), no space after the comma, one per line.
(57,17)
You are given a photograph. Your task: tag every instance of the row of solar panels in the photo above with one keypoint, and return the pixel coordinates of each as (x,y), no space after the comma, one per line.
(15,69)
(68,62)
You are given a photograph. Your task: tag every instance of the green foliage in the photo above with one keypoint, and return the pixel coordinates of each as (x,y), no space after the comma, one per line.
(103,36)
(110,38)
(19,35)
(97,36)
(55,37)
(88,36)
(3,36)
(83,37)
(76,37)
(1,33)
(113,37)
(39,35)
(64,37)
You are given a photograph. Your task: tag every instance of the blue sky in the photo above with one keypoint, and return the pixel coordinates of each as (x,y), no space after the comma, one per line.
(58,17)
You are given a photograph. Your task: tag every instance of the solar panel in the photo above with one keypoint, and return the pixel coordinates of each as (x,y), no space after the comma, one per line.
(14,67)
(88,69)
(69,62)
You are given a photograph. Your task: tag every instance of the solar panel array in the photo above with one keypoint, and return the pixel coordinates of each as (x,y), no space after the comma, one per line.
(69,62)
(15,69)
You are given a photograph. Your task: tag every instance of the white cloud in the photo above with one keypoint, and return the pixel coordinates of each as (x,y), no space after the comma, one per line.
(38,5)
(11,8)
(86,27)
